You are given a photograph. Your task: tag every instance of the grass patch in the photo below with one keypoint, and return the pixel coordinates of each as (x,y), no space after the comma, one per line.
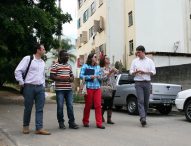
(10,88)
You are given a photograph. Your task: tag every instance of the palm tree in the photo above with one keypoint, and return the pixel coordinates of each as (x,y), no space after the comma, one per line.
(65,44)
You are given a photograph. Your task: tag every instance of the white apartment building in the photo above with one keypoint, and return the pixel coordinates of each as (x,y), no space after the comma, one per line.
(162,26)
(117,27)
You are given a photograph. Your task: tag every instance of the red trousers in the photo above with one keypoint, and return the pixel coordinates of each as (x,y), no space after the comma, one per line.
(93,96)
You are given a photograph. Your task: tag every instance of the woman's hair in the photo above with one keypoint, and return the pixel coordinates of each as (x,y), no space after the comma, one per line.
(102,61)
(89,59)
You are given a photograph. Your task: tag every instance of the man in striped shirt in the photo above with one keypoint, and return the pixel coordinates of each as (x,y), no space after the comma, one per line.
(61,73)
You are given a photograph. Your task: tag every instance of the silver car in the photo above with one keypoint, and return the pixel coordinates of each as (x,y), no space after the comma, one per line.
(162,95)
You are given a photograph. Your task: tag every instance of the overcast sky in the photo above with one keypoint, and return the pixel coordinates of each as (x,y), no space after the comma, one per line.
(70,29)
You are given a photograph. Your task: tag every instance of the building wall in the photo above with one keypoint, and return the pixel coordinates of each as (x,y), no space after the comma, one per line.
(100,38)
(180,74)
(113,35)
(159,24)
(161,61)
(130,31)
(115,44)
(187,26)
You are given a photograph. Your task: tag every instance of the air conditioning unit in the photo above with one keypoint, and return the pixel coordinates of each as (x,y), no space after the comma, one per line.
(84,36)
(96,26)
(101,23)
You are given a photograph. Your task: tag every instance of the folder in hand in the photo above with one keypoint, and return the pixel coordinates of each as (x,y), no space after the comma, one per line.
(89,71)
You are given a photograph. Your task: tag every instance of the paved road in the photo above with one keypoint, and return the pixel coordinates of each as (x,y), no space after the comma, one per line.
(172,130)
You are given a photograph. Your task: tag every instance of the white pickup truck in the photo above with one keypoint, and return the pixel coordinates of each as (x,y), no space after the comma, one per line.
(162,95)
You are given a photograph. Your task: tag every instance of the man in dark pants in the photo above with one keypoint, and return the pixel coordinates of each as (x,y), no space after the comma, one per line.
(34,90)
(61,73)
(142,68)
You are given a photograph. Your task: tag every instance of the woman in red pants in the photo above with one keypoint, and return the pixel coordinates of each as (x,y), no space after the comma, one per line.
(92,74)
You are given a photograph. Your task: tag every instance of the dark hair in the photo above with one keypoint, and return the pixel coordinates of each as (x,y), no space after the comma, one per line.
(102,61)
(89,59)
(36,47)
(62,52)
(140,48)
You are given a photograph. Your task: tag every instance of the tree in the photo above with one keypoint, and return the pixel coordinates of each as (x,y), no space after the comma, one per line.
(23,23)
(66,45)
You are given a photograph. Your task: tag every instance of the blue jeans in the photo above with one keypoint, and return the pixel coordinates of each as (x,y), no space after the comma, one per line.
(33,93)
(68,96)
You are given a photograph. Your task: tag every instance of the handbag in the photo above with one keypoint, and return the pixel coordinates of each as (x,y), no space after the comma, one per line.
(106,92)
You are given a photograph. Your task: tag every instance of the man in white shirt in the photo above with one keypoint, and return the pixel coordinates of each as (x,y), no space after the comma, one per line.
(34,88)
(142,68)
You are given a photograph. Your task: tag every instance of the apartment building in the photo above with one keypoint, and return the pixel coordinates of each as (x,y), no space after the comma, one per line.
(117,27)
(101,28)
(162,26)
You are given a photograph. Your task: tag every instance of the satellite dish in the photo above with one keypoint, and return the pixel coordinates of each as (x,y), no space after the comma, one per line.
(176,46)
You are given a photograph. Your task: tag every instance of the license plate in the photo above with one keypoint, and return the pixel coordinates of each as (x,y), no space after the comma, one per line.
(166,101)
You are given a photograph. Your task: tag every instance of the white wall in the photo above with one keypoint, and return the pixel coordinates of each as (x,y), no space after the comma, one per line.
(170,60)
(159,23)
(115,30)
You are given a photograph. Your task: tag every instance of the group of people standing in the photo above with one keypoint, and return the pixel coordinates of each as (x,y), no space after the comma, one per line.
(92,73)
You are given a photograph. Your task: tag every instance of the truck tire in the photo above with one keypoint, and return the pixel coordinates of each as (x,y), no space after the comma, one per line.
(118,107)
(165,110)
(188,111)
(132,107)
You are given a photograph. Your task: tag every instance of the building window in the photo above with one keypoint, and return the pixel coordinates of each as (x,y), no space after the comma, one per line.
(130,14)
(91,31)
(93,8)
(100,2)
(79,23)
(85,16)
(131,49)
(80,2)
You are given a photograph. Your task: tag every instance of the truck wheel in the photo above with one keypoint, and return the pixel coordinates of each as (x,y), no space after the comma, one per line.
(132,107)
(118,107)
(188,111)
(165,110)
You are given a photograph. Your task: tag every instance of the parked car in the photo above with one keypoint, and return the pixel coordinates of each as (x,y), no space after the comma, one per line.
(162,95)
(183,103)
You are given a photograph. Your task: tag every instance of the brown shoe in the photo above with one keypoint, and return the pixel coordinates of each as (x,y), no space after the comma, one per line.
(25,129)
(42,132)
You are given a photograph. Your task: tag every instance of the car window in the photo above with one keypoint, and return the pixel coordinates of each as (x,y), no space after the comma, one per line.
(126,79)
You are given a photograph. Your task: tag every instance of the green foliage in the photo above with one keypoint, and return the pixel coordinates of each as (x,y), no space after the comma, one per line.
(66,45)
(23,23)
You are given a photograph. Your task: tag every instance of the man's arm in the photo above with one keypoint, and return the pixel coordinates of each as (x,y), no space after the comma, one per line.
(60,79)
(20,69)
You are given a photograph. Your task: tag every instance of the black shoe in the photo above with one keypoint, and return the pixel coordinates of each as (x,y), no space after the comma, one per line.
(62,126)
(143,122)
(110,122)
(73,126)
(86,125)
(101,127)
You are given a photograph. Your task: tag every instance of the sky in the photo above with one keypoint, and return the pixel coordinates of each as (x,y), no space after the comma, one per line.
(70,29)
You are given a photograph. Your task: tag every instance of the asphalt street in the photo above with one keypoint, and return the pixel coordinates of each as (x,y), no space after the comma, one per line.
(171,130)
